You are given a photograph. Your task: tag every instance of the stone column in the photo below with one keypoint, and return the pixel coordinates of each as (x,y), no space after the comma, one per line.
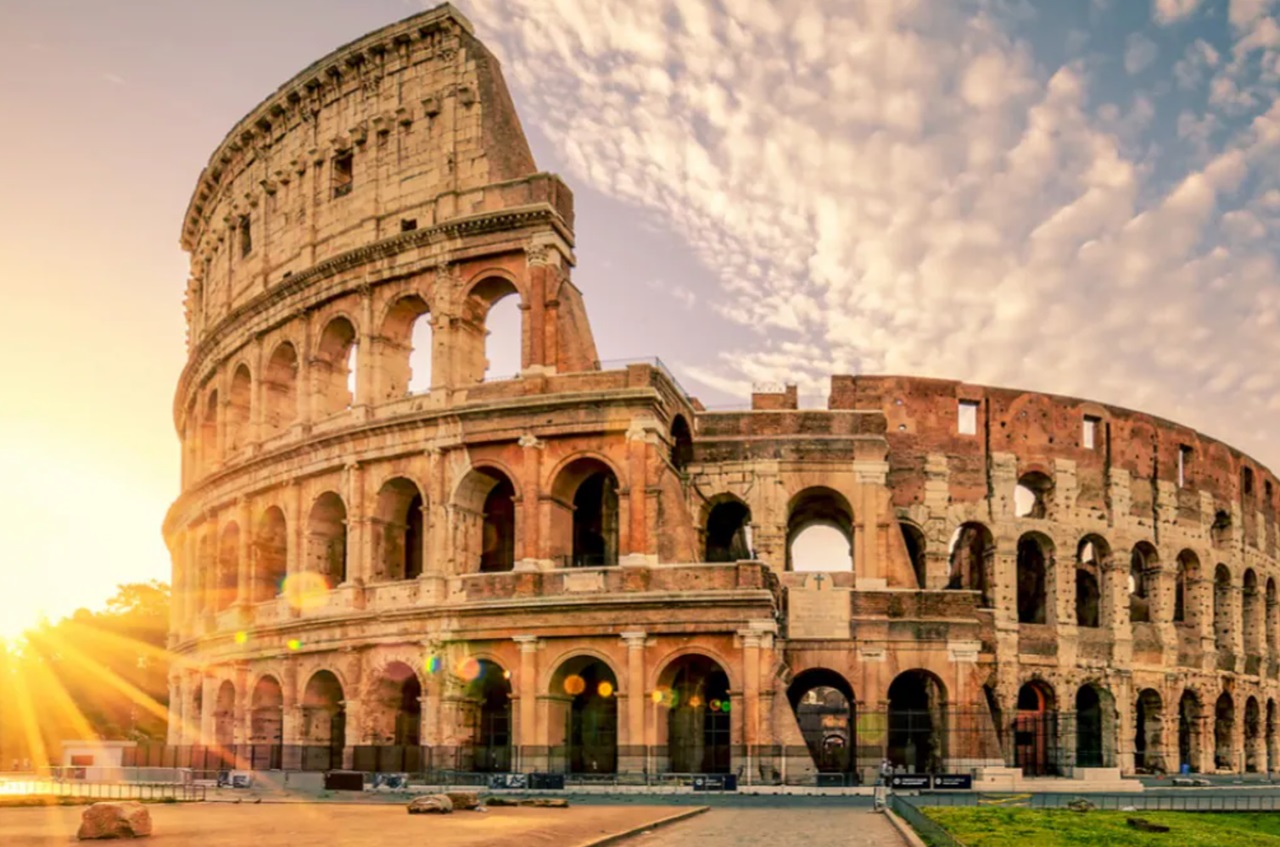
(359,564)
(633,758)
(529,537)
(244,571)
(527,732)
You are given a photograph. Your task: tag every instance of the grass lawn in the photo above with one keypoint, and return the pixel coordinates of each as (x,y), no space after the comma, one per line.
(1065,828)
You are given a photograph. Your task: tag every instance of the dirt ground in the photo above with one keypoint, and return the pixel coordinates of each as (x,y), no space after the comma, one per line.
(284,825)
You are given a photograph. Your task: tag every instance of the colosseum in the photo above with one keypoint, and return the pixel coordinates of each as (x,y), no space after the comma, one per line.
(387,557)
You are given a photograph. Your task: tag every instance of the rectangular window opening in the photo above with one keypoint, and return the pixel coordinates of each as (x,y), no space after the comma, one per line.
(968,417)
(1184,459)
(1090,435)
(246,237)
(408,224)
(343,174)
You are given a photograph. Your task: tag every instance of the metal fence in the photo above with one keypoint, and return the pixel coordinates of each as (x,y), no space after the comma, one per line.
(1206,801)
(59,785)
(932,832)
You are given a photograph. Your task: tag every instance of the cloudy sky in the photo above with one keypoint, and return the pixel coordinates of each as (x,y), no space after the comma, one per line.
(1078,196)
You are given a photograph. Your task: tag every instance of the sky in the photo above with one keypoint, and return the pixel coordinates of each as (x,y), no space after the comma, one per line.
(1073,196)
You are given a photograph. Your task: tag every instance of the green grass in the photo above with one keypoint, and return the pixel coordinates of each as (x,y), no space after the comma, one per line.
(1064,828)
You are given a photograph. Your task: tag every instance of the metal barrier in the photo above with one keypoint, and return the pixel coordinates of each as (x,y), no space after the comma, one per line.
(1189,802)
(932,832)
(91,790)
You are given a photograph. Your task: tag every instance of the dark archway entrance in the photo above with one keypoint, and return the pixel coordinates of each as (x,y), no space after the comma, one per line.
(1189,722)
(591,716)
(324,722)
(698,730)
(727,524)
(824,706)
(917,722)
(1092,724)
(1148,739)
(489,695)
(1035,730)
(1224,721)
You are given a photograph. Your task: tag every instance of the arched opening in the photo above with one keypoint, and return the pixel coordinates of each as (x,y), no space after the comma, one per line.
(1251,617)
(1144,569)
(1222,631)
(280,390)
(1031,497)
(1270,613)
(695,690)
(327,539)
(586,691)
(1272,751)
(973,551)
(398,530)
(496,309)
(209,433)
(1095,722)
(585,520)
(1092,556)
(1188,574)
(271,555)
(1224,721)
(488,706)
(1254,755)
(1035,552)
(1190,722)
(913,539)
(1035,730)
(917,722)
(224,716)
(324,722)
(195,723)
(1148,740)
(486,520)
(820,531)
(334,368)
(205,580)
(266,712)
(824,706)
(681,443)
(406,349)
(728,529)
(395,707)
(238,402)
(228,567)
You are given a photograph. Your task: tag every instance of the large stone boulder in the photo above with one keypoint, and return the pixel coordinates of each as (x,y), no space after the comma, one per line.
(463,800)
(546,802)
(431,804)
(115,820)
(499,800)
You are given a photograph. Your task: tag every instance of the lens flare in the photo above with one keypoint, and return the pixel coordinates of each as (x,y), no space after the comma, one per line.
(242,637)
(665,697)
(306,591)
(574,685)
(469,669)
(695,701)
(294,644)
(605,689)
(714,705)
(656,696)
(871,729)
(433,664)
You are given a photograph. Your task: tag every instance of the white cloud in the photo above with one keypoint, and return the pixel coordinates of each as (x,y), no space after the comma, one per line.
(1191,68)
(1139,53)
(1171,11)
(902,189)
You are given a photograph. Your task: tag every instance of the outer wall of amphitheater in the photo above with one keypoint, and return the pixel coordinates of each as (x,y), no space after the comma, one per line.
(579,568)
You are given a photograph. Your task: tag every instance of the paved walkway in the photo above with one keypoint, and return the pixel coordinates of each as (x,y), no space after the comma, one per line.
(773,827)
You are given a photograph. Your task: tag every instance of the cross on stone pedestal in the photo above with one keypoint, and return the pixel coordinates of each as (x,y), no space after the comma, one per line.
(818,578)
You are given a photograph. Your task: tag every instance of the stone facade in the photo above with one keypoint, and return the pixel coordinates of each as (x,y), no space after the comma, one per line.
(583,568)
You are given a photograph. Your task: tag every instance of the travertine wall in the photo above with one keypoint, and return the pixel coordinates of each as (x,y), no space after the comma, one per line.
(331,546)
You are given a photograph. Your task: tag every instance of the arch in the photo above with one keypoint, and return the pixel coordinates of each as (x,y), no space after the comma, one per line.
(1035,556)
(1271,738)
(239,399)
(1148,739)
(280,390)
(1095,727)
(271,554)
(395,706)
(1251,614)
(406,340)
(728,533)
(228,574)
(487,703)
(973,551)
(398,530)
(585,710)
(1254,755)
(266,712)
(697,700)
(681,443)
(585,534)
(327,538)
(209,454)
(824,706)
(1186,577)
(1190,723)
(324,720)
(1035,729)
(1224,721)
(1270,611)
(224,716)
(334,367)
(1093,556)
(487,521)
(819,531)
(496,306)
(1144,570)
(1031,496)
(1223,631)
(918,722)
(913,540)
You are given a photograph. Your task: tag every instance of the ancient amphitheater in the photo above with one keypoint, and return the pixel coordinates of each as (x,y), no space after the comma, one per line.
(580,569)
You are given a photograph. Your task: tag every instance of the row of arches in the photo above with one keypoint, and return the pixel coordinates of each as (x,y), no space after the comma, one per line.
(402,365)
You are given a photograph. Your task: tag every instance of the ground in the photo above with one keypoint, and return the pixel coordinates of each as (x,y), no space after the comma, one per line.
(739,827)
(284,825)
(1063,828)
